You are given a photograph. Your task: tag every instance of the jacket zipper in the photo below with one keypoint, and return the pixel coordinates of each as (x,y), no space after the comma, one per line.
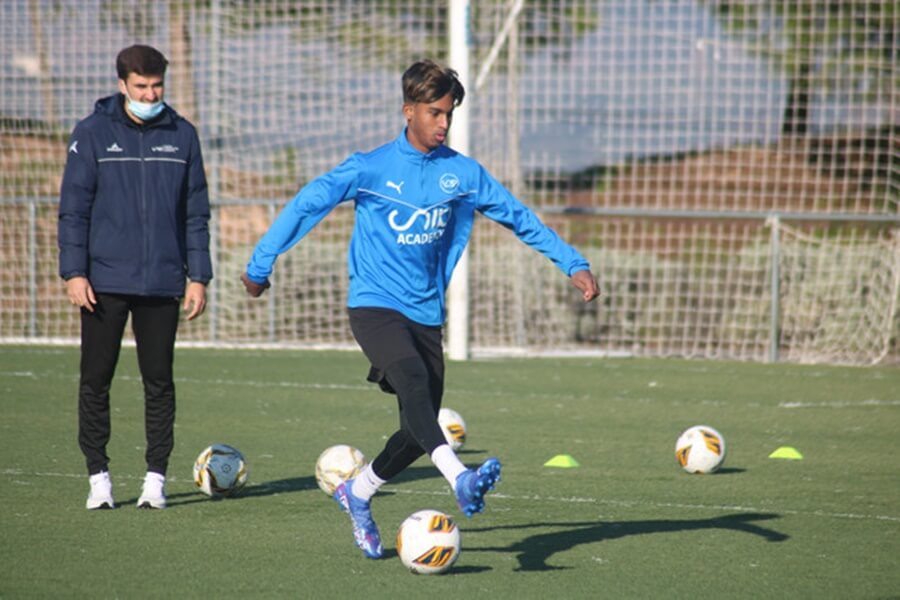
(144,219)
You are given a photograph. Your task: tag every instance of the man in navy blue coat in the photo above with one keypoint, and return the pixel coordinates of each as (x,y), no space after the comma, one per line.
(133,239)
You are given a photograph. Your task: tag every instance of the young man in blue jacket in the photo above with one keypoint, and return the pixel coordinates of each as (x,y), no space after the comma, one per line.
(133,225)
(415,202)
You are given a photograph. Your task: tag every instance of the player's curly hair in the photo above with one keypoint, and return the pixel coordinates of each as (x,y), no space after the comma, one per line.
(426,81)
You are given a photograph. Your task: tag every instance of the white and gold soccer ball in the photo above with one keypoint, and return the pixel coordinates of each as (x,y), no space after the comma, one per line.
(220,470)
(454,428)
(700,449)
(336,465)
(428,542)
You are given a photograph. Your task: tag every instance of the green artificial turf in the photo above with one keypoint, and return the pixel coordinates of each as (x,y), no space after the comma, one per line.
(626,523)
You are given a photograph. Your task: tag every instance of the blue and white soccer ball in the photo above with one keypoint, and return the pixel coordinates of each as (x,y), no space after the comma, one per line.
(428,542)
(220,470)
(700,449)
(454,428)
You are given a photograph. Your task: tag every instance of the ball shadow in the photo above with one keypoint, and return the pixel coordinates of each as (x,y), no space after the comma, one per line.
(730,471)
(253,490)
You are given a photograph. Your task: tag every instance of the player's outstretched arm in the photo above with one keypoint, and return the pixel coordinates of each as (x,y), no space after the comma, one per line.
(584,281)
(253,288)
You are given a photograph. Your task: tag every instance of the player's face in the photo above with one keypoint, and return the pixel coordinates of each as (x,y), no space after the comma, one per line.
(139,88)
(428,124)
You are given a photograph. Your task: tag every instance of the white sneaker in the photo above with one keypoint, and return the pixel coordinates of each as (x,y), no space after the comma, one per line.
(153,495)
(101,491)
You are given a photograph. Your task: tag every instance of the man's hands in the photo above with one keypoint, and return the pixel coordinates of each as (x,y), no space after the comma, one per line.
(585,282)
(253,288)
(194,300)
(80,293)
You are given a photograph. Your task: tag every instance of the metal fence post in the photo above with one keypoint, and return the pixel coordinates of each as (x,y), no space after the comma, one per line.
(271,306)
(32,269)
(215,40)
(774,315)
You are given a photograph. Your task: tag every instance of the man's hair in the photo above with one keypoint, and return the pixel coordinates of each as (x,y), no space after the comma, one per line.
(426,81)
(143,60)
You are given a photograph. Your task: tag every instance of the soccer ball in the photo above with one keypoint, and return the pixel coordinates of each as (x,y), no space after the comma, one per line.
(336,465)
(220,470)
(428,542)
(700,449)
(454,428)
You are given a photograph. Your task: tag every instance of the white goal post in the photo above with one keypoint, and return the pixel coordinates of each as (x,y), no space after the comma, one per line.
(457,327)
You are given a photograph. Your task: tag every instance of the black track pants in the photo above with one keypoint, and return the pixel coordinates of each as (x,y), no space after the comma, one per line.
(407,359)
(154,323)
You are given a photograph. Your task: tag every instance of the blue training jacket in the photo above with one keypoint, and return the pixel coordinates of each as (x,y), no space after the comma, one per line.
(134,208)
(414,215)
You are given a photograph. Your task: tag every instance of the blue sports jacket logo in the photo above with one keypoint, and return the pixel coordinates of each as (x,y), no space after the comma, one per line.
(433,222)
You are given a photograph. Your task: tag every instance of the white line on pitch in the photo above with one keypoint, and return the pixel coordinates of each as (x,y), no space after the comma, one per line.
(116,477)
(870,402)
(635,503)
(567,499)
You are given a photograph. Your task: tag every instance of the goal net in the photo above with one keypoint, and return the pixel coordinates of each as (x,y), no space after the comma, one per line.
(659,137)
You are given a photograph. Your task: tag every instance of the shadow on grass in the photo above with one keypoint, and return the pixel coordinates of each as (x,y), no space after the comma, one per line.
(290,485)
(267,488)
(534,551)
(466,570)
(729,471)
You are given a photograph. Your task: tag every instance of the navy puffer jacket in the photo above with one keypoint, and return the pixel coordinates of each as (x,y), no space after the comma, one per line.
(134,208)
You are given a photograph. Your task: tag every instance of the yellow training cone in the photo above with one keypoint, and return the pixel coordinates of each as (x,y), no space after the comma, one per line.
(563,461)
(787,452)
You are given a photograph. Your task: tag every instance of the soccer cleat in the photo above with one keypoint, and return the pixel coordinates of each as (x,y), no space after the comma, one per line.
(153,494)
(101,492)
(365,531)
(471,486)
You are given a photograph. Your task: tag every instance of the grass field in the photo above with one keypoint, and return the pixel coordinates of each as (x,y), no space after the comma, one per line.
(628,523)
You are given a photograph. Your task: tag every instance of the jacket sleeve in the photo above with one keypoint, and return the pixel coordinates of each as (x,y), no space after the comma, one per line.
(498,204)
(311,204)
(76,199)
(199,265)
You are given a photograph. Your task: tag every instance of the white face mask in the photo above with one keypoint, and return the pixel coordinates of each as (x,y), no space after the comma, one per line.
(145,111)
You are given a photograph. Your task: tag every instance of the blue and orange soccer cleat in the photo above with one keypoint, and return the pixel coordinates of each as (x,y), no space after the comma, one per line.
(365,531)
(471,486)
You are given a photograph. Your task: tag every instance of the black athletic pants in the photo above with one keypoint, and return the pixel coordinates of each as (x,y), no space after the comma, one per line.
(154,322)
(407,360)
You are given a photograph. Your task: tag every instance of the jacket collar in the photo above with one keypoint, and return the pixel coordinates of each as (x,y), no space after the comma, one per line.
(409,151)
(114,107)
